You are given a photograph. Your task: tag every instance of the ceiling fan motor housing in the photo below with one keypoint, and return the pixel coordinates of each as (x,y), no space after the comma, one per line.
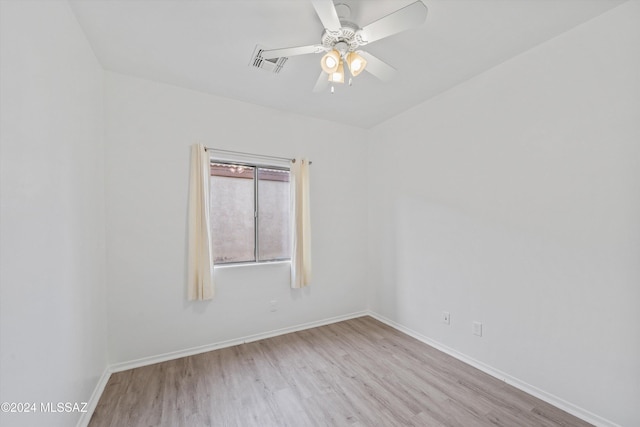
(349,34)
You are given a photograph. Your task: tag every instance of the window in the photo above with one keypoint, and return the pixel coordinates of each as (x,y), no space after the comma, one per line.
(249,207)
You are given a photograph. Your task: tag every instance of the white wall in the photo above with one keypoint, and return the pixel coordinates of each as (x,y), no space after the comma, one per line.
(52,251)
(514,200)
(150,127)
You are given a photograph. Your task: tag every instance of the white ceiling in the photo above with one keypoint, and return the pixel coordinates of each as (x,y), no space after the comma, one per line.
(207,45)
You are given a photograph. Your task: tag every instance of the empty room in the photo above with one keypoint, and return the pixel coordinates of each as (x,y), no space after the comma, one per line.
(320,213)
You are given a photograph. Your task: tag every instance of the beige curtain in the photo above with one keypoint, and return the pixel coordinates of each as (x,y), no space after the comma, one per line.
(300,224)
(200,275)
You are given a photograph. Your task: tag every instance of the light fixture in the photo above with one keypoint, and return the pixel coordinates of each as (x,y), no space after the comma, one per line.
(356,63)
(331,61)
(337,76)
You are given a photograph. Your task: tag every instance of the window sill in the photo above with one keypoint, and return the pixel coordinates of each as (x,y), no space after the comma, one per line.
(249,264)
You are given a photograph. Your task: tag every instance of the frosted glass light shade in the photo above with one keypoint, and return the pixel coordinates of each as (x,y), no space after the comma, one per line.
(338,75)
(356,63)
(330,62)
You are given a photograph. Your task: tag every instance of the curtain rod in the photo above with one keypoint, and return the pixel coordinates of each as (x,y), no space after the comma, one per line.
(242,153)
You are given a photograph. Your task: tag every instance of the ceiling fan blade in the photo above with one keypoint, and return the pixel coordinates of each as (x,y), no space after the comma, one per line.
(401,20)
(292,51)
(327,13)
(378,67)
(322,83)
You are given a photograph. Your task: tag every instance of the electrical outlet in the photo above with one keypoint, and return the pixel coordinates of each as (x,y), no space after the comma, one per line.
(446,318)
(273,305)
(476,327)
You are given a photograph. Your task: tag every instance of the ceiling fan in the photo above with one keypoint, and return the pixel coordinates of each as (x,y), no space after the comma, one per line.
(341,42)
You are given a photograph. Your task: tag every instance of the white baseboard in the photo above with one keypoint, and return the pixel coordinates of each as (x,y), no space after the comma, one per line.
(527,388)
(123,366)
(95,397)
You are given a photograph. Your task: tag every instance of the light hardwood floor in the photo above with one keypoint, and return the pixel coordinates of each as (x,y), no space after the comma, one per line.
(359,372)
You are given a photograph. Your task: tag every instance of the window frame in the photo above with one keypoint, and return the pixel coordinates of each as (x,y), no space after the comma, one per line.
(256,209)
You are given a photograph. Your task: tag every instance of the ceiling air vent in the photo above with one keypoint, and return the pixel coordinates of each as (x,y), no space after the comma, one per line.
(273,65)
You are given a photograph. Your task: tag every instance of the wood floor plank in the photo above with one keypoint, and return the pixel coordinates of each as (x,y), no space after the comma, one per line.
(355,373)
